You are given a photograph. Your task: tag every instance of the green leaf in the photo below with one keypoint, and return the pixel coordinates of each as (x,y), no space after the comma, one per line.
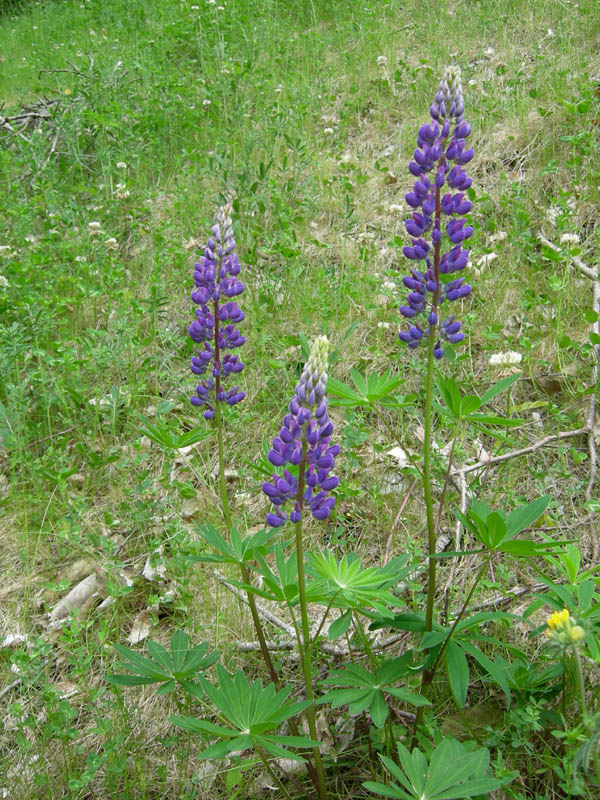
(501,386)
(408,697)
(585,594)
(475,788)
(524,516)
(387,791)
(451,393)
(160,655)
(378,710)
(415,767)
(161,434)
(496,528)
(491,419)
(339,626)
(179,646)
(129,680)
(458,672)
(345,396)
(469,404)
(193,437)
(497,672)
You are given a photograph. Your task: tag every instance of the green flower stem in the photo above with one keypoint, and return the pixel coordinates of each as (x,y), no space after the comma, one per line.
(304,644)
(222,484)
(325,615)
(580,684)
(461,614)
(364,639)
(427,477)
(246,578)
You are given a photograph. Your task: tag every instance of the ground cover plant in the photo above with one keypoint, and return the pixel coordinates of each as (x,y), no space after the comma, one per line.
(394,593)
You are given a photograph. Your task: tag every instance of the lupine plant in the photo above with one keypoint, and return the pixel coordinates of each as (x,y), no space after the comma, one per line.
(359,601)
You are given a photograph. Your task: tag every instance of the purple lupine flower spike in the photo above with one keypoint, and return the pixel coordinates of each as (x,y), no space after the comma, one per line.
(217,315)
(439,144)
(304,441)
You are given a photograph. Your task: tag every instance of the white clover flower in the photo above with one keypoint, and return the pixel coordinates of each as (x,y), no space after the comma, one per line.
(328,131)
(206,102)
(121,165)
(111,244)
(80,259)
(509,359)
(384,325)
(3,282)
(94,228)
(570,238)
(395,208)
(389,285)
(122,193)
(382,61)
(486,259)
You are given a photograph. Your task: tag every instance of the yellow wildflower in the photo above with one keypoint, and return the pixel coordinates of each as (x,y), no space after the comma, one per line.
(562,628)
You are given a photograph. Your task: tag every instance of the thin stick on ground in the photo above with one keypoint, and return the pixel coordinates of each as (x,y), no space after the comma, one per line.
(525,450)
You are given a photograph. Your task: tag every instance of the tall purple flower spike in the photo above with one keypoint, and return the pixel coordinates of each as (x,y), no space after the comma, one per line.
(442,152)
(303,441)
(217,315)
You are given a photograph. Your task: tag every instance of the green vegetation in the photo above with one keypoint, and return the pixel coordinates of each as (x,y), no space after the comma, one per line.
(122,127)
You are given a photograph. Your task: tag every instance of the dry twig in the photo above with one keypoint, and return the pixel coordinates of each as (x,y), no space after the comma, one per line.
(525,450)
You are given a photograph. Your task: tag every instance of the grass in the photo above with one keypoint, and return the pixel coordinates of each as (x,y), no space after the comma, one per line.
(283,107)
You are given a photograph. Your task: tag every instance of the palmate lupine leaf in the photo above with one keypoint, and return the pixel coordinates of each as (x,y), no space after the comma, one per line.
(237,550)
(355,586)
(364,690)
(178,665)
(497,531)
(251,713)
(369,390)
(165,436)
(454,771)
(466,408)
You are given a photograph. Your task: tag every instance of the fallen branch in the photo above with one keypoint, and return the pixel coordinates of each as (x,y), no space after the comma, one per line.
(574,261)
(501,601)
(261,610)
(525,450)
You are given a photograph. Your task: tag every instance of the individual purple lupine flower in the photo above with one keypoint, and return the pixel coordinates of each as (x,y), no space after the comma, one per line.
(303,441)
(439,145)
(217,315)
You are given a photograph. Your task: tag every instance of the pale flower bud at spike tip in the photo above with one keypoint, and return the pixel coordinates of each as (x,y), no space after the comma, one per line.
(313,381)
(305,438)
